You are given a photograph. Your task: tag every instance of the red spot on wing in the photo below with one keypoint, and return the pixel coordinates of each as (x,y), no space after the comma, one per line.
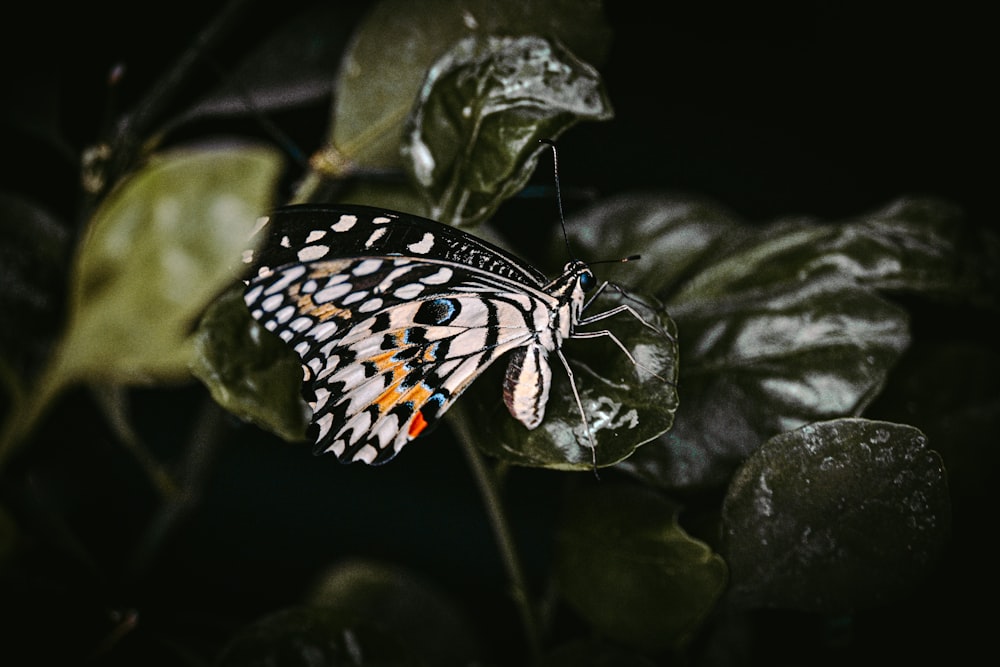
(417,424)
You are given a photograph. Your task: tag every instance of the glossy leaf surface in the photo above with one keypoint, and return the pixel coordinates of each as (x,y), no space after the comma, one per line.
(377,87)
(835,516)
(781,325)
(472,140)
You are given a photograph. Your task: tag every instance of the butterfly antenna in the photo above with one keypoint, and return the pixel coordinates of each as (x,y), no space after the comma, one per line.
(555,175)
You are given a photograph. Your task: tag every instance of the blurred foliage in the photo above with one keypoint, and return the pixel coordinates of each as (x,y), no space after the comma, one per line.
(746,463)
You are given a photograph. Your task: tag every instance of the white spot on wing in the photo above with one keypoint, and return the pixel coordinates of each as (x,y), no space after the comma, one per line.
(271,303)
(300,324)
(354,297)
(345,223)
(324,330)
(253,294)
(442,276)
(424,245)
(313,252)
(370,305)
(285,243)
(324,424)
(366,267)
(366,454)
(376,235)
(330,293)
(410,291)
(315,235)
(290,275)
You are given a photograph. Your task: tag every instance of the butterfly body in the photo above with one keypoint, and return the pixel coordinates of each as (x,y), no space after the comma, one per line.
(393,316)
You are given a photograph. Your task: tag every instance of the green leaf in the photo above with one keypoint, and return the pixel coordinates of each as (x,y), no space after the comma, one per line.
(164,243)
(835,516)
(623,562)
(782,324)
(157,251)
(384,68)
(422,618)
(625,405)
(249,371)
(907,246)
(473,137)
(673,235)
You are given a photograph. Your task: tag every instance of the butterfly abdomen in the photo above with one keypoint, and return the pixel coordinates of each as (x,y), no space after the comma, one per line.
(526,385)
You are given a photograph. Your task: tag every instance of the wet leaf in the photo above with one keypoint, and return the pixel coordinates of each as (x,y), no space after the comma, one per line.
(473,137)
(248,370)
(781,325)
(625,405)
(624,563)
(672,235)
(385,67)
(835,516)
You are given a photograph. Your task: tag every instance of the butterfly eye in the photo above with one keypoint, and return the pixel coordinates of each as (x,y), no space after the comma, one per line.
(587,281)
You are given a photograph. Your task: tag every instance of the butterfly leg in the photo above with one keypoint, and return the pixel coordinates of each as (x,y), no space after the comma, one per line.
(579,406)
(618,309)
(604,333)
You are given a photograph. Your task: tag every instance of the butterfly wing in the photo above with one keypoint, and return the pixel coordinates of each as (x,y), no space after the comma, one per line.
(308,233)
(388,341)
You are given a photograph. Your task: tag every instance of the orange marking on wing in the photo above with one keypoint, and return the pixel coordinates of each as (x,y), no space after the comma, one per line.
(417,425)
(323,270)
(391,396)
(385,361)
(419,395)
(322,312)
(429,354)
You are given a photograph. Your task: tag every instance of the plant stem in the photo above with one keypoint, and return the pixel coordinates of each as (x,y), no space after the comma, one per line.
(28,408)
(133,127)
(486,480)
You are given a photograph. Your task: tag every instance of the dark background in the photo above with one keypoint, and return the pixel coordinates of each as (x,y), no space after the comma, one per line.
(817,109)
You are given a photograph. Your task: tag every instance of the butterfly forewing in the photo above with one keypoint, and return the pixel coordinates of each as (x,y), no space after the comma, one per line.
(392,316)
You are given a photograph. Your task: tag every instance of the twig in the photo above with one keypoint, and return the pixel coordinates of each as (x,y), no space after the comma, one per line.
(486,480)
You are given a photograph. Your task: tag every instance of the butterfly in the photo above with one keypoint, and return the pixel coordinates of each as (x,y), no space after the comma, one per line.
(393,316)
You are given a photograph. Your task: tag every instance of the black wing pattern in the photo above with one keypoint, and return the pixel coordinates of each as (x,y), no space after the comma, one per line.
(392,316)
